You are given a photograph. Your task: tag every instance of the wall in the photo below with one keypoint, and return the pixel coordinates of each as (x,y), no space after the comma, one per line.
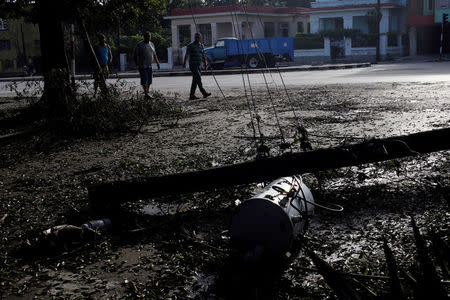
(224,30)
(314,56)
(310,56)
(346,15)
(12,60)
(438,15)
(333,3)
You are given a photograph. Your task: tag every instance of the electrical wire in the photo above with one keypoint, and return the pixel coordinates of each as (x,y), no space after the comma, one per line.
(283,140)
(247,98)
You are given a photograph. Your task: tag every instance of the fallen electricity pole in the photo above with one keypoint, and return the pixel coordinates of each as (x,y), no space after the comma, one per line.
(265,169)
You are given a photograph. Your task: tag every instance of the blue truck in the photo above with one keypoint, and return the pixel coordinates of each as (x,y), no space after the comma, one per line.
(254,53)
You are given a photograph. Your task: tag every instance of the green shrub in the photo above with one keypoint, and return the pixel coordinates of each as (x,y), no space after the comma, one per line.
(308,41)
(339,34)
(160,40)
(128,43)
(364,40)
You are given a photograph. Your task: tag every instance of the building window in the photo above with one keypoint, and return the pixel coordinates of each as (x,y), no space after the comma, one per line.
(284,29)
(269,29)
(428,7)
(300,27)
(246,31)
(3,24)
(37,44)
(205,31)
(419,8)
(331,23)
(5,45)
(443,4)
(367,24)
(184,35)
(309,27)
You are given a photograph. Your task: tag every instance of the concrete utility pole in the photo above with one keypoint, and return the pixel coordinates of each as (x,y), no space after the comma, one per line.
(378,29)
(111,194)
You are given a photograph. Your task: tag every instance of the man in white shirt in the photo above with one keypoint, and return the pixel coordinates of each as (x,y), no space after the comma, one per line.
(144,54)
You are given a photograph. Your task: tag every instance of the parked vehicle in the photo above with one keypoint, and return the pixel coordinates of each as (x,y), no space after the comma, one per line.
(254,53)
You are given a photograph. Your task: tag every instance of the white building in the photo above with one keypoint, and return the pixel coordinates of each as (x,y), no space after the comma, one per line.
(360,14)
(248,22)
(239,21)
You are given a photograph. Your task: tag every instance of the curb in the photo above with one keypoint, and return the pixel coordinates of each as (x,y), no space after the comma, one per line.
(215,72)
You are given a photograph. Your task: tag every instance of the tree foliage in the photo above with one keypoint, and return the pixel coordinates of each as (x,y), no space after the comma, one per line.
(298,3)
(93,15)
(173,4)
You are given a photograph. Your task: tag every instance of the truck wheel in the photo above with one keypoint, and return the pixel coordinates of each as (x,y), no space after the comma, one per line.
(253,62)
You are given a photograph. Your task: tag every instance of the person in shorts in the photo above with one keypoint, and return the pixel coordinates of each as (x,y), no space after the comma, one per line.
(144,54)
(104,57)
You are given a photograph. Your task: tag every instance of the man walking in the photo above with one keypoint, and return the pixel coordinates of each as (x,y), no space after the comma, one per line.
(144,54)
(195,52)
(104,57)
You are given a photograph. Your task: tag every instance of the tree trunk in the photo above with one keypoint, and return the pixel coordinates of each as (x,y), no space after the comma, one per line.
(274,167)
(54,61)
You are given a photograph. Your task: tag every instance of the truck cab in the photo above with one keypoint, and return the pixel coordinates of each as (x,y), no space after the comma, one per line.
(217,55)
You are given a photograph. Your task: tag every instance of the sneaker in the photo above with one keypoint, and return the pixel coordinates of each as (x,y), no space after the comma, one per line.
(206,95)
(193,97)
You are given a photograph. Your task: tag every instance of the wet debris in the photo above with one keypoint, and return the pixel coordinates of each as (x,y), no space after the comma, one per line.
(64,237)
(2,219)
(429,284)
(394,281)
(339,283)
(423,282)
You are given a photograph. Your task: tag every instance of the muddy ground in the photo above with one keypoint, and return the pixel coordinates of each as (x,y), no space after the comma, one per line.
(182,250)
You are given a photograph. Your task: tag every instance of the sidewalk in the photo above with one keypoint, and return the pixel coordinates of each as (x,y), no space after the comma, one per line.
(182,72)
(421,58)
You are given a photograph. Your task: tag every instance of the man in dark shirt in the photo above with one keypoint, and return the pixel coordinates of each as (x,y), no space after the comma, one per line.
(195,52)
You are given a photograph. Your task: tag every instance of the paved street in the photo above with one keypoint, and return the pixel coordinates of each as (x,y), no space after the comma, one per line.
(404,72)
(396,72)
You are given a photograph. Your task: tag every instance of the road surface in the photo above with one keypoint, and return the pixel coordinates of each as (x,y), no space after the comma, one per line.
(396,72)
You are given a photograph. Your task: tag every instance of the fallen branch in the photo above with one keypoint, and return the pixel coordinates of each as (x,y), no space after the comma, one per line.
(394,281)
(269,168)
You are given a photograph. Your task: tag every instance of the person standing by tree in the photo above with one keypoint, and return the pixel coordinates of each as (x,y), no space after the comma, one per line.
(195,52)
(144,54)
(104,57)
